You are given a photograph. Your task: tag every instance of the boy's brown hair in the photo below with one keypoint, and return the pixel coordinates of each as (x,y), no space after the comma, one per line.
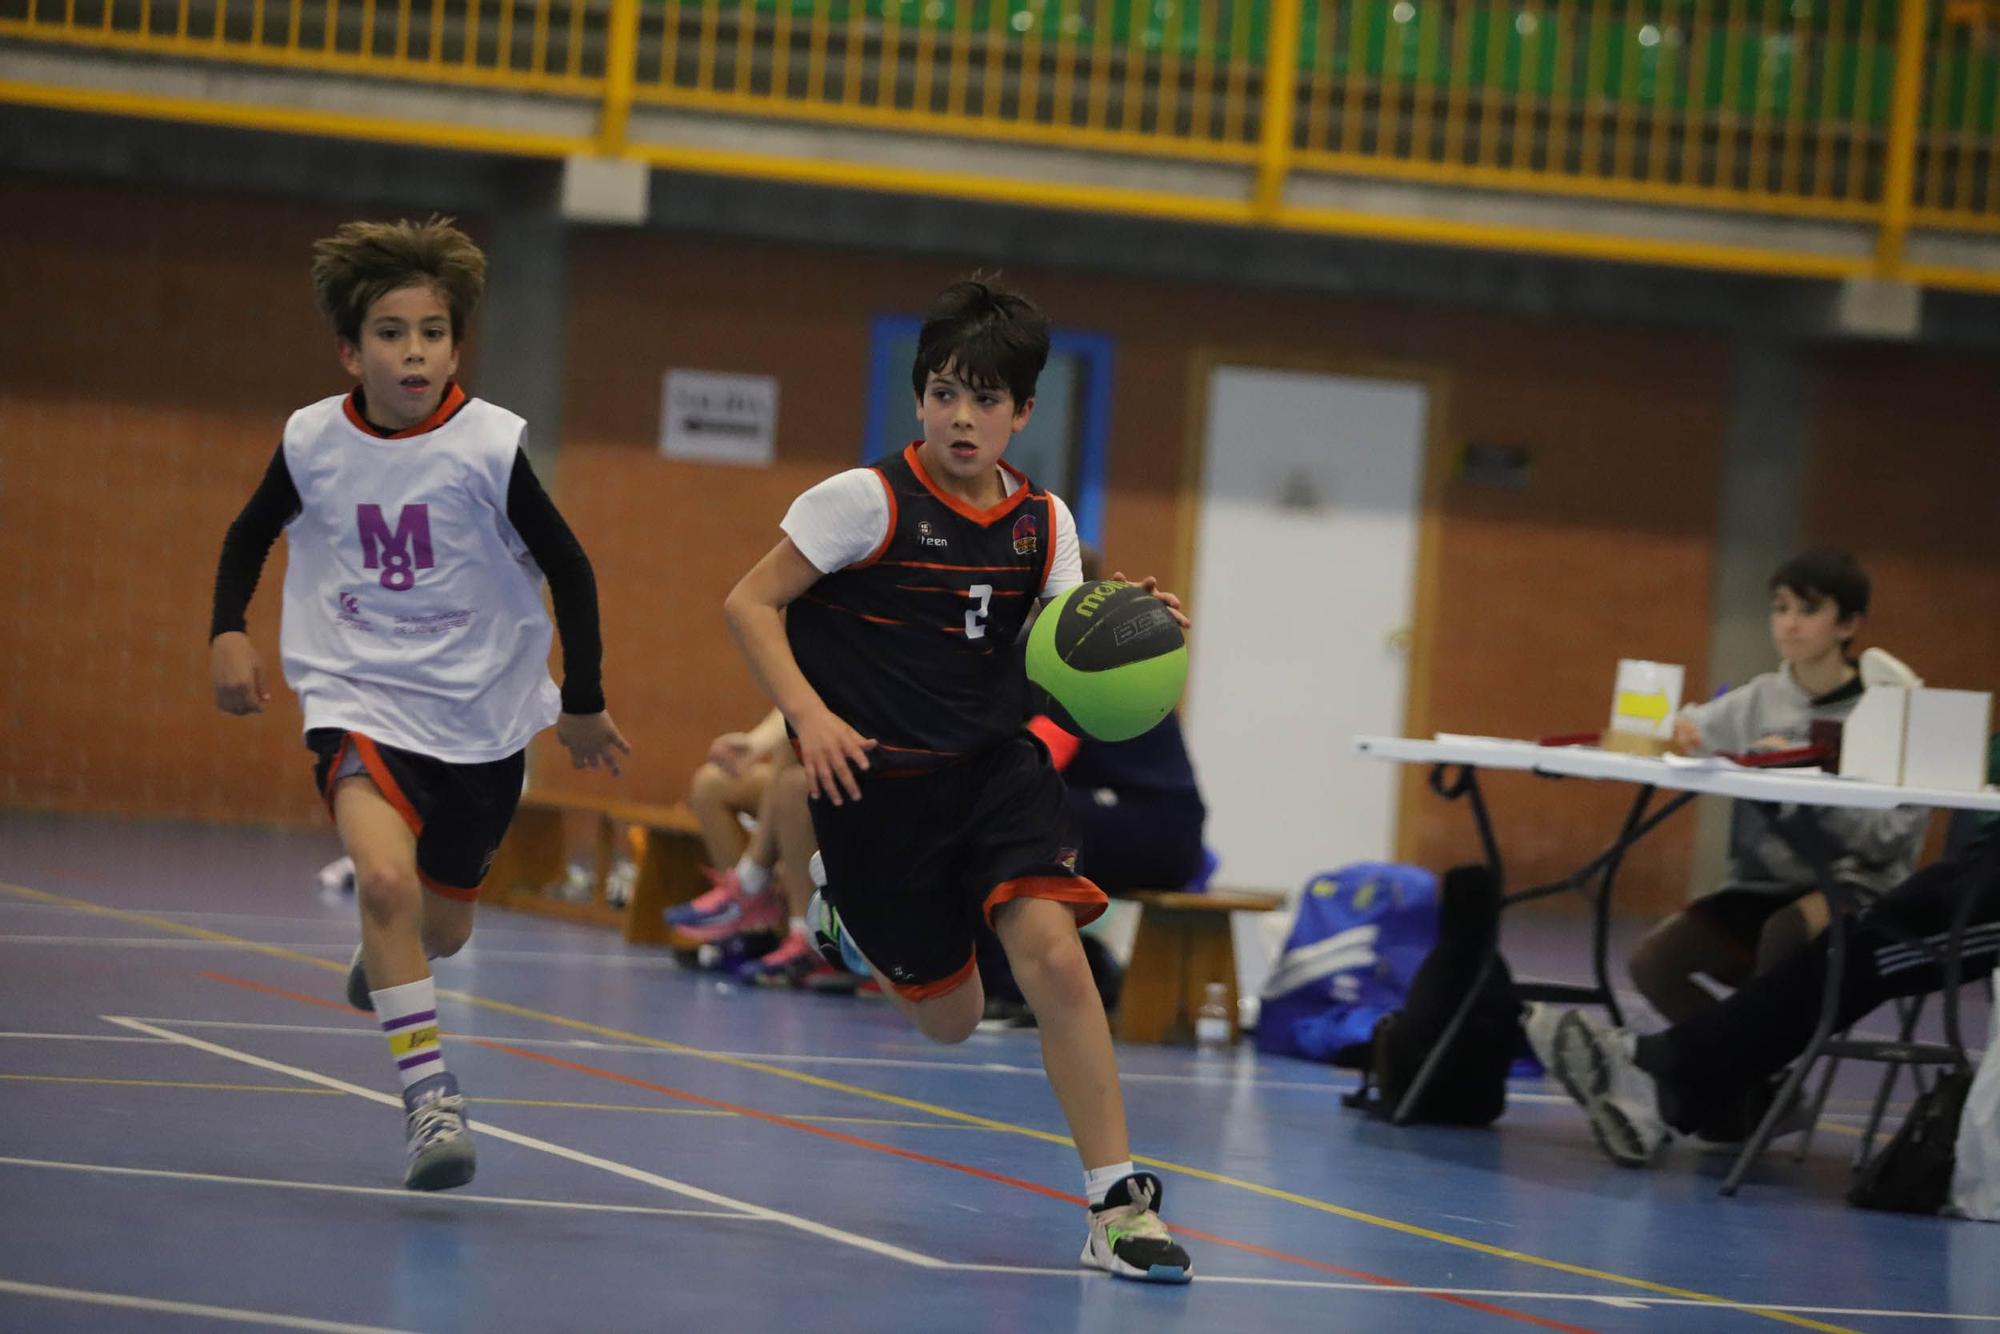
(364,261)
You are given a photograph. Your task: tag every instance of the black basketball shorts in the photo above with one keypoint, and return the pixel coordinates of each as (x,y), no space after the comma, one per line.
(459,812)
(916,863)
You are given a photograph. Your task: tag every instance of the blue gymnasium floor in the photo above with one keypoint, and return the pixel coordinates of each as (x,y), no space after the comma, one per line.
(190,1138)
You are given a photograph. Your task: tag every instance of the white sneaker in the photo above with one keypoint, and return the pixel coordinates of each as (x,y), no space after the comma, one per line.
(336,878)
(1538,1021)
(1594,1063)
(1127,1238)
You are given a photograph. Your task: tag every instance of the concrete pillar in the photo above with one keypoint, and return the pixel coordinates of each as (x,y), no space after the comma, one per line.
(521,330)
(1758,526)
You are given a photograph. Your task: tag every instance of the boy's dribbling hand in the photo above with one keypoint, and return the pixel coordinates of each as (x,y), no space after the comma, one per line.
(237,674)
(830,752)
(1167,600)
(592,739)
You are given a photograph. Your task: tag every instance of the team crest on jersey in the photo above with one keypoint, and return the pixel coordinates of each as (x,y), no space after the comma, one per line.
(1066,858)
(1027,540)
(927,536)
(348,612)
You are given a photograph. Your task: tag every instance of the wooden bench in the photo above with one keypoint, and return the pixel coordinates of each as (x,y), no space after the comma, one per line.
(1184,943)
(533,861)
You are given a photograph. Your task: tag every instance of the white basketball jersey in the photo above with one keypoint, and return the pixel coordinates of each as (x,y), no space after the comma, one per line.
(413,613)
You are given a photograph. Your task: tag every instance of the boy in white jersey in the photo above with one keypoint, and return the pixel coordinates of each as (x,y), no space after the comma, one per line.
(885,625)
(413,631)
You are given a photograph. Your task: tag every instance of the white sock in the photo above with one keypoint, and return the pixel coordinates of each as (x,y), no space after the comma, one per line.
(755,879)
(799,927)
(1098,1181)
(408,1015)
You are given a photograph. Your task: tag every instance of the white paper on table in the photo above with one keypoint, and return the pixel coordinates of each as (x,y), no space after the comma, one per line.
(1698,762)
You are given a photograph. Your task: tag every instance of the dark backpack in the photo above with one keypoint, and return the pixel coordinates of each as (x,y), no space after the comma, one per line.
(1469,1085)
(1912,1175)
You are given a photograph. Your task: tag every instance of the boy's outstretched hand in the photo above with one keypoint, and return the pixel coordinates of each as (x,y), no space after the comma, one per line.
(592,739)
(237,674)
(1168,600)
(831,751)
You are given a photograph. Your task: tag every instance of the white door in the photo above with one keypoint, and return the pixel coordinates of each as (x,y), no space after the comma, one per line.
(1304,574)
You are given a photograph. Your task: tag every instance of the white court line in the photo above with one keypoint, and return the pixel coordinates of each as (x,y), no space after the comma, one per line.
(456,1196)
(491,1131)
(83,1037)
(774,1058)
(786,1058)
(341,949)
(887,1250)
(176,943)
(236,1314)
(1397,1289)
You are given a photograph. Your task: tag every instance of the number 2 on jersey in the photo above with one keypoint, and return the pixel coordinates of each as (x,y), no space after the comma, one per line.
(975,617)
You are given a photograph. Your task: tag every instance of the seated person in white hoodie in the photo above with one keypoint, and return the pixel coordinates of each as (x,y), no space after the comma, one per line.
(1769,905)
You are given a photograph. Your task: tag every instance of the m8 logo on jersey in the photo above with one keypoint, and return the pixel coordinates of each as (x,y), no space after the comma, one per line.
(398,552)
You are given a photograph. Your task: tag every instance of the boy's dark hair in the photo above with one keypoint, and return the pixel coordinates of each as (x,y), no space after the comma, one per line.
(991,336)
(364,261)
(1825,572)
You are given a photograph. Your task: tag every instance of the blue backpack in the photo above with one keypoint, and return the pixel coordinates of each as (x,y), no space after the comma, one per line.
(1355,943)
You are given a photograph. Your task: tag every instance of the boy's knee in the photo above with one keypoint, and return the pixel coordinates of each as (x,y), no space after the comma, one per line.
(708,786)
(386,892)
(952,1017)
(792,784)
(947,1025)
(444,939)
(1054,967)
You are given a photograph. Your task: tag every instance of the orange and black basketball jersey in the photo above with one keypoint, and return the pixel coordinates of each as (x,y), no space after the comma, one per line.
(916,646)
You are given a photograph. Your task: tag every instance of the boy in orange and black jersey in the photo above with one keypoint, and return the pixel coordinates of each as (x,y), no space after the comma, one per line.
(885,625)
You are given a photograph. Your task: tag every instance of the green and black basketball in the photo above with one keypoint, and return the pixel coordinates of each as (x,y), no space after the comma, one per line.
(1111,659)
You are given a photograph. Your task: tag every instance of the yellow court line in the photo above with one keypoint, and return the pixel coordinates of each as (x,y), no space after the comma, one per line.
(968,1118)
(484,1101)
(169,1084)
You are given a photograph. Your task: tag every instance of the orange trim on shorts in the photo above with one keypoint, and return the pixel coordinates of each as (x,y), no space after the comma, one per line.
(385,782)
(890,535)
(1083,896)
(444,891)
(923,991)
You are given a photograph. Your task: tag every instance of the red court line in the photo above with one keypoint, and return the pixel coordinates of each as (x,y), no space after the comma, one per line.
(876,1146)
(299,996)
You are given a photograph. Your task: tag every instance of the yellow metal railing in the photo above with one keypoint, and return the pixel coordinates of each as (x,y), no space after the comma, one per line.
(1879,112)
(553,46)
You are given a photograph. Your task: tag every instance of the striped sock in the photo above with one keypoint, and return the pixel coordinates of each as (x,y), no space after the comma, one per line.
(408,1014)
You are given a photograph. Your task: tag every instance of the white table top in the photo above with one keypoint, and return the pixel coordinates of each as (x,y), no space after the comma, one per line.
(1716,777)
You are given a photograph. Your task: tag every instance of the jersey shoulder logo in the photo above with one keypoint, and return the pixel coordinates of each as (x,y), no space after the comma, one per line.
(1027,539)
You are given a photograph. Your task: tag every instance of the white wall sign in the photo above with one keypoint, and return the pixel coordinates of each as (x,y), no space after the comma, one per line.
(718,418)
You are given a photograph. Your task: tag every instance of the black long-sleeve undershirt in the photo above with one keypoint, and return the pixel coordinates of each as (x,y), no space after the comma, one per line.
(572,584)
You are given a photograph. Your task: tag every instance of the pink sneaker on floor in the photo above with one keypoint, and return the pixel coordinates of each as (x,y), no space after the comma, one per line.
(792,964)
(723,890)
(740,915)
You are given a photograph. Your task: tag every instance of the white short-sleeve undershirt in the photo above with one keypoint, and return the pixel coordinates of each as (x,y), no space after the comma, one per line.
(844,519)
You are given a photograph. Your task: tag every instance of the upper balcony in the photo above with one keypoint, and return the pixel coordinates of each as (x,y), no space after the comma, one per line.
(1816,138)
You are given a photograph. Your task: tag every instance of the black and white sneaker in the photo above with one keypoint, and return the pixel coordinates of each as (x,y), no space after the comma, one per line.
(441,1154)
(357,985)
(1128,1239)
(1594,1063)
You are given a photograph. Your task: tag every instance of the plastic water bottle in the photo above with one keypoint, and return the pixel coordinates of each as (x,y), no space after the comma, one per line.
(1211,1021)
